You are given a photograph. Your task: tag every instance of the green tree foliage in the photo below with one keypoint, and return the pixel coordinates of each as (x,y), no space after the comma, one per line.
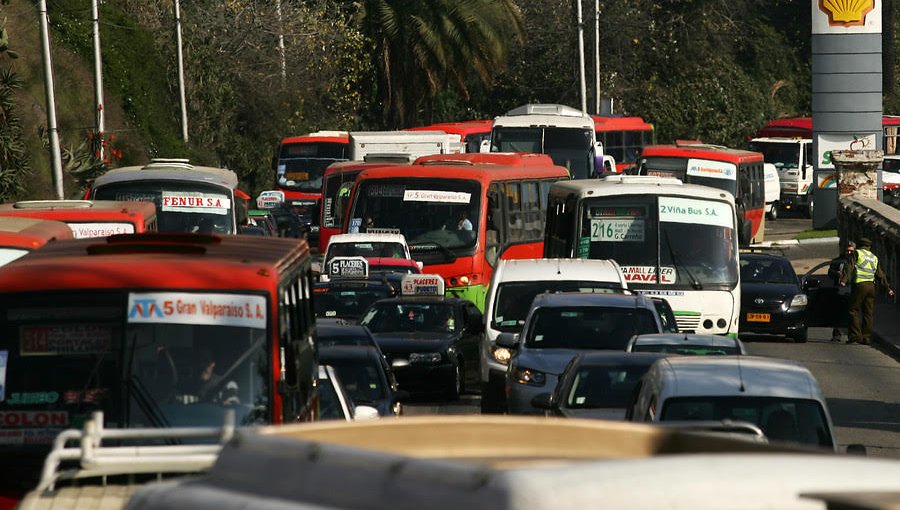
(421,47)
(14,165)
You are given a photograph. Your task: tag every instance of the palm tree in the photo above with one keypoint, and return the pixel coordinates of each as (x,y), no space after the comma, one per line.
(421,46)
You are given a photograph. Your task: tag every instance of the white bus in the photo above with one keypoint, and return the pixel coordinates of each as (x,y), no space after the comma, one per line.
(565,134)
(672,240)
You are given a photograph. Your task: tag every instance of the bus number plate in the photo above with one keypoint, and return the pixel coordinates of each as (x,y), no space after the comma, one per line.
(758,317)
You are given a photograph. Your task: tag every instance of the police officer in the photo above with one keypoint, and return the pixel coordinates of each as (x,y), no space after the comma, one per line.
(862,275)
(836,270)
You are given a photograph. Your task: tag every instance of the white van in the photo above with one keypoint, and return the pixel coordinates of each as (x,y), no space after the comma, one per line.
(772,192)
(513,287)
(779,396)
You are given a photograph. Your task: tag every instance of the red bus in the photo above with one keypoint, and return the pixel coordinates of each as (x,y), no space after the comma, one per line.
(738,172)
(300,165)
(471,132)
(89,218)
(623,138)
(18,236)
(155,330)
(458,219)
(336,185)
(801,127)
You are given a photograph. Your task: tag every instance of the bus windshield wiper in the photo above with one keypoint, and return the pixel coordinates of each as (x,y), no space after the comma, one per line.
(695,283)
(440,247)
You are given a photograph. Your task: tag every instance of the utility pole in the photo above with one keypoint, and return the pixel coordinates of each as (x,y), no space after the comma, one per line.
(581,80)
(182,102)
(281,41)
(597,57)
(98,79)
(52,131)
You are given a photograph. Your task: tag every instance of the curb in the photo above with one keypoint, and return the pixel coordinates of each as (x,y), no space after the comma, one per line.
(819,240)
(890,347)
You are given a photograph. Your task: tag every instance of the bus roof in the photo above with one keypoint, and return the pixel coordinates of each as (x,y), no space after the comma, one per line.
(545,115)
(611,123)
(463,128)
(489,158)
(79,210)
(30,233)
(479,172)
(637,185)
(703,151)
(155,261)
(353,166)
(319,137)
(169,169)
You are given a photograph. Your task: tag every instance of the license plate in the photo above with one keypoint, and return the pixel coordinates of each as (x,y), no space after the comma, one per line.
(298,176)
(758,317)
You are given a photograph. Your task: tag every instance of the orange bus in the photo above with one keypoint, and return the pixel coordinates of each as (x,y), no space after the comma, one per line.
(623,138)
(155,330)
(459,217)
(89,218)
(471,132)
(736,171)
(18,236)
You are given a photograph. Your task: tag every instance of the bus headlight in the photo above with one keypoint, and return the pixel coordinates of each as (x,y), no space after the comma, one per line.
(528,376)
(501,354)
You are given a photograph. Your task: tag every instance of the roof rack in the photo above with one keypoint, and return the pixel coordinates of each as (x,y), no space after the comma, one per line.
(157,163)
(143,456)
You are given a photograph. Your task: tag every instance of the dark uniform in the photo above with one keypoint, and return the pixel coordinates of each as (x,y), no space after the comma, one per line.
(836,271)
(863,276)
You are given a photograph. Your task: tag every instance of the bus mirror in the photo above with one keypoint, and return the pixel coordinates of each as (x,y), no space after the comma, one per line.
(508,340)
(485,146)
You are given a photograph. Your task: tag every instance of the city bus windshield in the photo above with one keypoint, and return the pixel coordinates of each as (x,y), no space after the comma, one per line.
(691,242)
(335,193)
(145,360)
(568,147)
(439,217)
(782,155)
(180,206)
(302,165)
(715,174)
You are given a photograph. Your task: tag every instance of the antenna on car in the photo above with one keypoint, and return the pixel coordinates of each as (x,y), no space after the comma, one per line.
(557,266)
(740,375)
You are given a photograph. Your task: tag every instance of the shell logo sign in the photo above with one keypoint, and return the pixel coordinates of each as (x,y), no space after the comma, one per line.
(847,13)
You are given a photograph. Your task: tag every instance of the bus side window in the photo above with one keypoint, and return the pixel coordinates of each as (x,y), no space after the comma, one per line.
(514,211)
(533,214)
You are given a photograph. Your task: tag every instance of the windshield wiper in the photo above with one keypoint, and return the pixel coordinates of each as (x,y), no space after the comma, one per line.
(443,249)
(695,283)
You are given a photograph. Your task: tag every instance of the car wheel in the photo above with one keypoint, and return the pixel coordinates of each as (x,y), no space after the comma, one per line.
(773,212)
(800,337)
(456,385)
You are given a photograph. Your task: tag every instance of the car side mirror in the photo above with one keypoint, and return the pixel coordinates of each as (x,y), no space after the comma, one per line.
(543,401)
(485,146)
(508,340)
(365,413)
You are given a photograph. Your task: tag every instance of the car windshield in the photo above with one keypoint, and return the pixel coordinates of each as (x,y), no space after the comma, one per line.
(588,327)
(302,165)
(603,386)
(361,377)
(690,240)
(180,206)
(782,155)
(514,298)
(714,174)
(399,317)
(391,250)
(145,367)
(347,302)
(686,349)
(781,419)
(568,147)
(767,270)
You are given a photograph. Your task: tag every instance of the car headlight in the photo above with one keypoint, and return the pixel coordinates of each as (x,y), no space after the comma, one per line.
(425,358)
(501,354)
(528,376)
(799,300)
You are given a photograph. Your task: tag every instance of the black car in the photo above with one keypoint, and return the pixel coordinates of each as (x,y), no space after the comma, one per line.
(431,342)
(772,299)
(345,300)
(365,375)
(597,385)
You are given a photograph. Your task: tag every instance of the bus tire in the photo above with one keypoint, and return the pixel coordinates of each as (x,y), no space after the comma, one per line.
(773,212)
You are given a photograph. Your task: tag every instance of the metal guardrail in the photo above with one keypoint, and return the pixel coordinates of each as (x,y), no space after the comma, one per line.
(865,217)
(97,459)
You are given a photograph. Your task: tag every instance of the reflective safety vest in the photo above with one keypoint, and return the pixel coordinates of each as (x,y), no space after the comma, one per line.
(866,263)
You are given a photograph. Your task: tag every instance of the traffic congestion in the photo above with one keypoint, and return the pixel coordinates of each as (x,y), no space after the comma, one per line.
(404,273)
